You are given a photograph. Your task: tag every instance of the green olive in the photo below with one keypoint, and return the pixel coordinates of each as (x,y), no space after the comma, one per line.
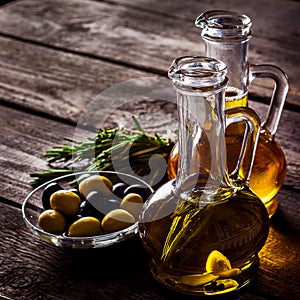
(52,221)
(133,203)
(85,226)
(116,220)
(65,202)
(95,183)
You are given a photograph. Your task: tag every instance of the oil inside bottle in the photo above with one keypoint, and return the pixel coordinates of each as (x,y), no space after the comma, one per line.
(235,97)
(269,167)
(202,243)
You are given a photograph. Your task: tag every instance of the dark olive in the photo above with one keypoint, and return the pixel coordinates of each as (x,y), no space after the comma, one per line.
(48,191)
(88,210)
(96,200)
(71,219)
(102,204)
(111,204)
(94,205)
(119,188)
(84,209)
(142,190)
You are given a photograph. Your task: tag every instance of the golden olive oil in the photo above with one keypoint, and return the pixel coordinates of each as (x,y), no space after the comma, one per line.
(269,167)
(209,249)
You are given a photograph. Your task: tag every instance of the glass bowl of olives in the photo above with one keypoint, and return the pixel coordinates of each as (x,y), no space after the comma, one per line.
(86,209)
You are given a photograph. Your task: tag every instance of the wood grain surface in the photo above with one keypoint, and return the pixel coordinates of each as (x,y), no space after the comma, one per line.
(147,40)
(56,58)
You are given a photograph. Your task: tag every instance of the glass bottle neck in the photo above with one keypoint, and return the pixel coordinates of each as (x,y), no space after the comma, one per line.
(200,85)
(201,141)
(226,35)
(235,55)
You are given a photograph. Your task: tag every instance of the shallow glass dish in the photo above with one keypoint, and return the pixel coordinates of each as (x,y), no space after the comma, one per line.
(32,208)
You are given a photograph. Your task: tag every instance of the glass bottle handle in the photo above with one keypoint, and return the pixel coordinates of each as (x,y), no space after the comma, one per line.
(245,161)
(279,93)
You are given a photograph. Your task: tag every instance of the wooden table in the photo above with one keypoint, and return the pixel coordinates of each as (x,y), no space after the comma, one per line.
(55,56)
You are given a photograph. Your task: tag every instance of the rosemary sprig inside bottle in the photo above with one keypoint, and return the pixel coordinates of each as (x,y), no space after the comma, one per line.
(95,154)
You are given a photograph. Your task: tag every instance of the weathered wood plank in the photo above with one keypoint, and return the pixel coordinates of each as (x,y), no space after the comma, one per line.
(32,269)
(115,33)
(275,20)
(5,2)
(54,82)
(67,87)
(61,91)
(27,137)
(280,255)
(61,84)
(284,241)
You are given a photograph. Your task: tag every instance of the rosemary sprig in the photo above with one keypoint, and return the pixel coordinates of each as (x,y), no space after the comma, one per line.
(188,221)
(95,154)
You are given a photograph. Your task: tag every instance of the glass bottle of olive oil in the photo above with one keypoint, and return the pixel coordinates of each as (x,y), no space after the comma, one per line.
(204,229)
(226,35)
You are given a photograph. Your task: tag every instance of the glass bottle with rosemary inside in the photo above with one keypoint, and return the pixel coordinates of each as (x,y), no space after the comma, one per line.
(226,35)
(204,229)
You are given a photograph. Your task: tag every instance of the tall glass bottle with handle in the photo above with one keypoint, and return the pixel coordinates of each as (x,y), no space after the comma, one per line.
(226,35)
(204,229)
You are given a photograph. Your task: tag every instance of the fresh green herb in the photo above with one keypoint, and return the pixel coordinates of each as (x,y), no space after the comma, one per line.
(95,154)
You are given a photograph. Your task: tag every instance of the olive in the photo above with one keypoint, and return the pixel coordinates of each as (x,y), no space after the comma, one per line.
(65,202)
(88,210)
(95,183)
(82,177)
(76,191)
(48,191)
(52,221)
(116,220)
(101,203)
(70,219)
(140,189)
(93,205)
(112,204)
(133,203)
(85,226)
(119,188)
